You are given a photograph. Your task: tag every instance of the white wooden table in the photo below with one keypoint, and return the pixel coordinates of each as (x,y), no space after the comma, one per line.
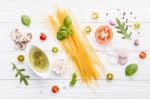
(137,87)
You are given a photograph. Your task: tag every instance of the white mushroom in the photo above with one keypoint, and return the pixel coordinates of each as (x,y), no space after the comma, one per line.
(19,39)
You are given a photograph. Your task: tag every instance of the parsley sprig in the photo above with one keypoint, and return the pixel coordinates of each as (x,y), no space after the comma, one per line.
(23,78)
(123,29)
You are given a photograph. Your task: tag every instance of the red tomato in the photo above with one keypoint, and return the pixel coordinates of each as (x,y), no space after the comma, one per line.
(142,55)
(42,37)
(55,89)
(104,34)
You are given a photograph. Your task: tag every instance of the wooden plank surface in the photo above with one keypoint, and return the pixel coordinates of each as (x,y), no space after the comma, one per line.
(122,87)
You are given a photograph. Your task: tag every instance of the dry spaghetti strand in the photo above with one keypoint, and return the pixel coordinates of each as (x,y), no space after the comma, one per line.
(76,46)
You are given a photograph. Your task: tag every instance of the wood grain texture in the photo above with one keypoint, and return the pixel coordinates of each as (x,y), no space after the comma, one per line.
(122,87)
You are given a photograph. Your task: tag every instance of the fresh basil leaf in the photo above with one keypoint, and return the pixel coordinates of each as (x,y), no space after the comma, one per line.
(73,82)
(26,20)
(69,32)
(131,69)
(61,35)
(67,21)
(63,28)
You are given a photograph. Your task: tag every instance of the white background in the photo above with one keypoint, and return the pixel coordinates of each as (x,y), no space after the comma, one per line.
(122,87)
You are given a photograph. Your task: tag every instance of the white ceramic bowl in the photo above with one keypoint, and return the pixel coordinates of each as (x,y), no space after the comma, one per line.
(45,74)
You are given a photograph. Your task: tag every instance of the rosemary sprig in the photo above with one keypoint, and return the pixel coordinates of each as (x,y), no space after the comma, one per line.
(123,29)
(23,78)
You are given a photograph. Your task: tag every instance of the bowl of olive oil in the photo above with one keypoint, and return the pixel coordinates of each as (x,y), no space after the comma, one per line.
(38,61)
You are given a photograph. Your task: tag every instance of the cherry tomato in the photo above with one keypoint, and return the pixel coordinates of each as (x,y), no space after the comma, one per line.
(55,89)
(142,55)
(104,34)
(42,37)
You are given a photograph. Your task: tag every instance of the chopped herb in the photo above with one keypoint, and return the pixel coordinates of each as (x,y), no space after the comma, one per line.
(23,78)
(123,29)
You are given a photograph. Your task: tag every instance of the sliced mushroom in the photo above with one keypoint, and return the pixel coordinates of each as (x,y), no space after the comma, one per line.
(20,46)
(19,39)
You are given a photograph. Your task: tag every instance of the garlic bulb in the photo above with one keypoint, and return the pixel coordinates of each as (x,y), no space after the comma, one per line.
(59,67)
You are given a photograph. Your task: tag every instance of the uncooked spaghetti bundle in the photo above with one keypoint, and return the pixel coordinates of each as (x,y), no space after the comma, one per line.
(74,42)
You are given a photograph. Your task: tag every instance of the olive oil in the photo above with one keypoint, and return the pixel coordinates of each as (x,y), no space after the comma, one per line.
(38,60)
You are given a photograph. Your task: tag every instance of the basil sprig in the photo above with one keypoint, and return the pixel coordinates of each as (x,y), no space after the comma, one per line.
(26,20)
(67,21)
(131,69)
(73,80)
(65,31)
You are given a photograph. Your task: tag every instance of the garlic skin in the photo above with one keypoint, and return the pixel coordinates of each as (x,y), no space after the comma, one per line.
(122,56)
(122,60)
(112,23)
(59,67)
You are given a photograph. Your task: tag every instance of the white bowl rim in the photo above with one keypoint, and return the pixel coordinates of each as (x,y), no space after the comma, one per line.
(43,74)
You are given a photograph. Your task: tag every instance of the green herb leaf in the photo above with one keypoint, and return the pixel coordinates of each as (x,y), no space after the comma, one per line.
(64,30)
(23,78)
(123,29)
(61,35)
(67,21)
(73,80)
(131,69)
(26,20)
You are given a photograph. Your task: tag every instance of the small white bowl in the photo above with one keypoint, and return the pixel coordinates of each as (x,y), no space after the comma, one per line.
(45,74)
